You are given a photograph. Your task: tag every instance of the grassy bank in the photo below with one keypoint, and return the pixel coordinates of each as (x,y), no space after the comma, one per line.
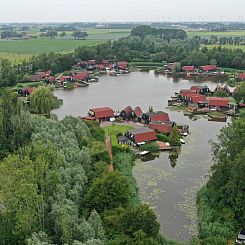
(218,34)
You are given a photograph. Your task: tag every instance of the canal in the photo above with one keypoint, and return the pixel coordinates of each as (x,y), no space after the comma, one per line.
(168,183)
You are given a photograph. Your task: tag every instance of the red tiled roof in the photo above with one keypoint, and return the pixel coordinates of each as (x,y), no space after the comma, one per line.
(162,127)
(105,62)
(186,92)
(101,66)
(35,78)
(194,98)
(197,88)
(42,74)
(64,78)
(122,64)
(215,101)
(209,68)
(80,76)
(188,68)
(143,135)
(92,62)
(102,112)
(242,76)
(128,111)
(160,116)
(137,111)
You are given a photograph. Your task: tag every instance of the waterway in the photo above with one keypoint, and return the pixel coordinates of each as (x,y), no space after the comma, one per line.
(168,183)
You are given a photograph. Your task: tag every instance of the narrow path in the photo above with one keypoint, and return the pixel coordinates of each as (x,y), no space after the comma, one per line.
(109,149)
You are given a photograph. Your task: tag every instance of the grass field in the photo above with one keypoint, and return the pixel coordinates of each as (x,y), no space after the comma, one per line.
(19,50)
(114,130)
(218,34)
(242,47)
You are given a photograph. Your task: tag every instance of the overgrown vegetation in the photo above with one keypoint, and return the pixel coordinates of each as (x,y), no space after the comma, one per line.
(221,206)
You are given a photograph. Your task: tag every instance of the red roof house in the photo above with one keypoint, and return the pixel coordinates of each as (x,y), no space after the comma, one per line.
(137,112)
(188,68)
(65,78)
(105,62)
(101,113)
(35,78)
(92,62)
(197,98)
(186,92)
(127,112)
(141,135)
(122,65)
(218,102)
(162,127)
(241,76)
(80,76)
(155,116)
(208,68)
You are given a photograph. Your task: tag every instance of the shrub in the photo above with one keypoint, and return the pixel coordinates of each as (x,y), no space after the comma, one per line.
(162,137)
(152,147)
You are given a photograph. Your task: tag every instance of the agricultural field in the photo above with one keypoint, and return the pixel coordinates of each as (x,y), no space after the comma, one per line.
(218,34)
(18,50)
(242,47)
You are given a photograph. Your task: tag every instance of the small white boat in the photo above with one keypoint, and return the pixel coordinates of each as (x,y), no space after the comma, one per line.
(184,134)
(143,153)
(182,141)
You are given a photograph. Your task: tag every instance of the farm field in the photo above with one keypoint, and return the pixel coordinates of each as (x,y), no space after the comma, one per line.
(242,47)
(17,50)
(23,49)
(218,34)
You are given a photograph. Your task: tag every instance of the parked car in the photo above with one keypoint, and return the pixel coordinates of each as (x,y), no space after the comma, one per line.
(241,237)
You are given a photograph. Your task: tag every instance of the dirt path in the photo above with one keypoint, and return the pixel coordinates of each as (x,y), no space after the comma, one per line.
(109,149)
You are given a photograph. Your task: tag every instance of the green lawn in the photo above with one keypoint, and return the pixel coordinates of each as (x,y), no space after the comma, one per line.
(114,130)
(218,34)
(37,46)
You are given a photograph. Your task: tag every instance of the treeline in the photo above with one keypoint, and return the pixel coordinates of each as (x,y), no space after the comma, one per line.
(221,202)
(55,187)
(223,40)
(9,34)
(165,34)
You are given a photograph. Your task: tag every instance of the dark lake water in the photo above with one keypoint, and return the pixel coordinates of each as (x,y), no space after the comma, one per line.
(170,188)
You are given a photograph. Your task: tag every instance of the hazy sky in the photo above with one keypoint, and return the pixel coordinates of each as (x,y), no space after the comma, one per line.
(120,10)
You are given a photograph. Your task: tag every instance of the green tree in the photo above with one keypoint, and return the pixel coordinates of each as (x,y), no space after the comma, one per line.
(79,34)
(63,34)
(240,93)
(107,192)
(41,100)
(52,34)
(174,137)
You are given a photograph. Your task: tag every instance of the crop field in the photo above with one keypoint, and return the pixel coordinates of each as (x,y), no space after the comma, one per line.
(18,50)
(242,47)
(218,34)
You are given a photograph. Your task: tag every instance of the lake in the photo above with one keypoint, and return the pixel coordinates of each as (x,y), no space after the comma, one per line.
(168,183)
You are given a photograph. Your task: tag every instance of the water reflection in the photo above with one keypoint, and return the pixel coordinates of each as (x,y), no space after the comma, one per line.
(173,156)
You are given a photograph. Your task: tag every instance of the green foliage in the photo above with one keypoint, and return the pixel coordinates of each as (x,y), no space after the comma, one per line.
(152,147)
(220,94)
(174,137)
(240,93)
(221,202)
(108,192)
(41,100)
(162,137)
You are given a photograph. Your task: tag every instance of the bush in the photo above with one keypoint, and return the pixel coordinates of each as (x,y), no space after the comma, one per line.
(162,137)
(151,147)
